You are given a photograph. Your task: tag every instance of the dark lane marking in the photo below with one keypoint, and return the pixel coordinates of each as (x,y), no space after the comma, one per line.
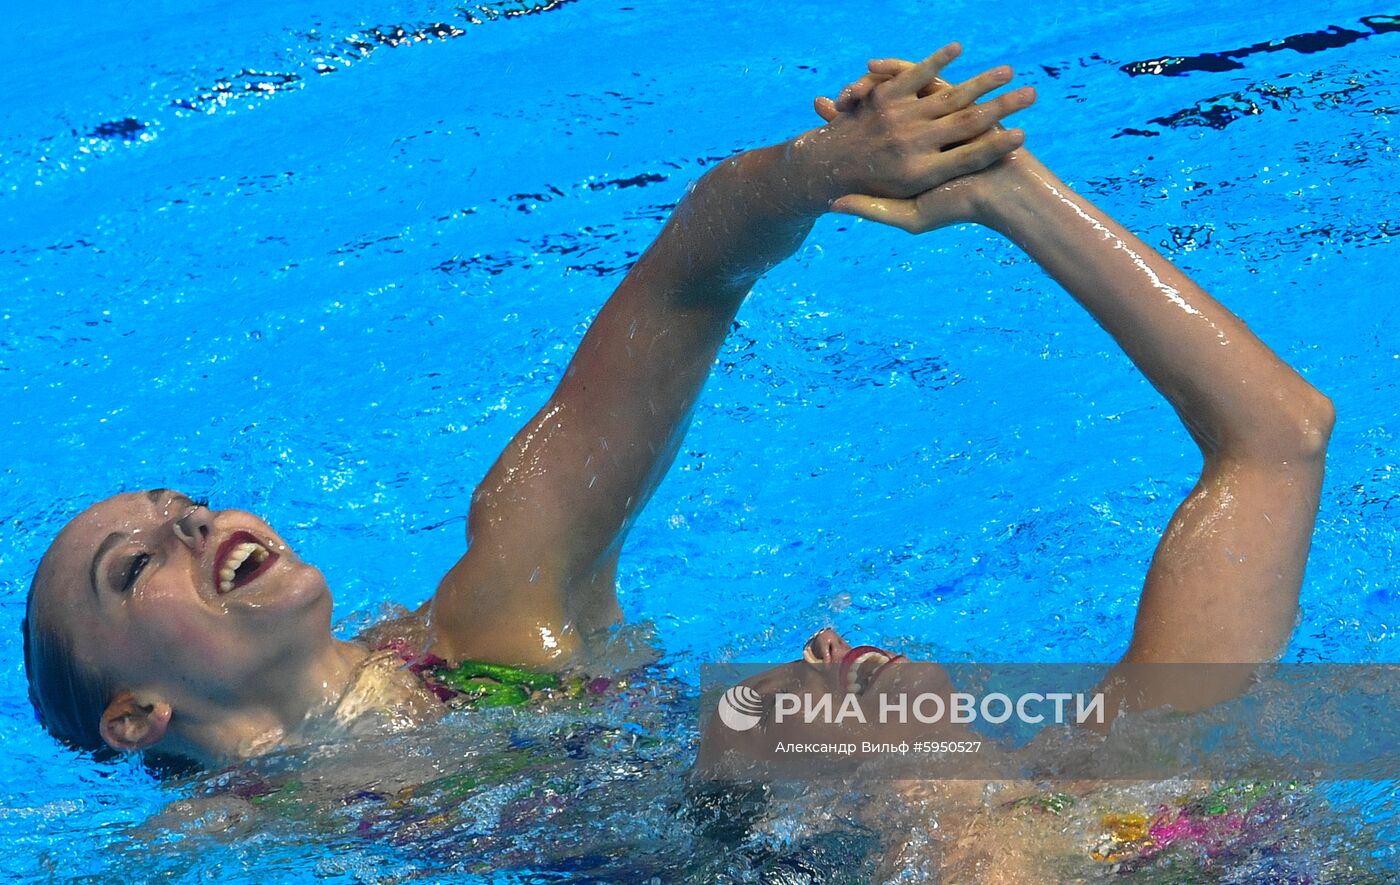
(1214,62)
(321,55)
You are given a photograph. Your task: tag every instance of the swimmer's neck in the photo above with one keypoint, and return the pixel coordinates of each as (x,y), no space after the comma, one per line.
(280,707)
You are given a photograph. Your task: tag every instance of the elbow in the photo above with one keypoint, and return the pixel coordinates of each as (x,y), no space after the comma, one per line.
(1317,418)
(1294,426)
(1308,417)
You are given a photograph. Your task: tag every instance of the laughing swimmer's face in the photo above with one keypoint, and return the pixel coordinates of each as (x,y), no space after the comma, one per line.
(158,592)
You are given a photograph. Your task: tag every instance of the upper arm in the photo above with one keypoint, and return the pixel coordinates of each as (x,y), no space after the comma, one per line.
(548,520)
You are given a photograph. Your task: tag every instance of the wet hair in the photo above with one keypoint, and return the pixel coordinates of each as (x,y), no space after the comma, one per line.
(68,698)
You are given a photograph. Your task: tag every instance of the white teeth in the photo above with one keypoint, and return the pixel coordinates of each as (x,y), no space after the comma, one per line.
(853,678)
(236,557)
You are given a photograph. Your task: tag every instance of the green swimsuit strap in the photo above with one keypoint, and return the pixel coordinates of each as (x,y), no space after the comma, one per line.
(481,684)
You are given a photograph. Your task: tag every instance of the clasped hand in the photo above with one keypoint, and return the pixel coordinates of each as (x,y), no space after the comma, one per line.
(900,143)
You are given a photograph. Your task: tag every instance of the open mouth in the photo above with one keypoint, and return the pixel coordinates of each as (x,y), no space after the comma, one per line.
(241,558)
(863,664)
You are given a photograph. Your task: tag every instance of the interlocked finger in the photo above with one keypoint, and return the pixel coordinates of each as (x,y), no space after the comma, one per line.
(888,67)
(910,81)
(952,98)
(971,122)
(982,151)
(858,91)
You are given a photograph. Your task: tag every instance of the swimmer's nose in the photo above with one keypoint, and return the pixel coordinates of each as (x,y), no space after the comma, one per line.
(194,528)
(825,647)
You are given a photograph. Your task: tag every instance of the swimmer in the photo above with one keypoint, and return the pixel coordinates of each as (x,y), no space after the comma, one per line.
(1223,584)
(155,623)
(1224,581)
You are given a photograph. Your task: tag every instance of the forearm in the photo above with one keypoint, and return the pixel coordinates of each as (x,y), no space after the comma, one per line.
(665,324)
(1230,389)
(573,478)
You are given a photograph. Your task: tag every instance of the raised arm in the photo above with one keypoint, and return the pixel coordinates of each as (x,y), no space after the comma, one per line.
(1224,582)
(548,520)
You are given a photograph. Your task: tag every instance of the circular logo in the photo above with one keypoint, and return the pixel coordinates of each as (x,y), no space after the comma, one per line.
(740,708)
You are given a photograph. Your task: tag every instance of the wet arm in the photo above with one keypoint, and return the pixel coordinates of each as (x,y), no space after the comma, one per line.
(549,517)
(1224,582)
(548,520)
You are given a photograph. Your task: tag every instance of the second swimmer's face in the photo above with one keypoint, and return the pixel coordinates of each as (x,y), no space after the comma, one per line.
(156,591)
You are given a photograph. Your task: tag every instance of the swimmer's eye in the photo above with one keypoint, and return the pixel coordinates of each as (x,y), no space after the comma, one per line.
(133,571)
(200,502)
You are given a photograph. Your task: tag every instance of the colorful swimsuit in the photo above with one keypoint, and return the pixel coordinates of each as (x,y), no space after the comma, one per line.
(1210,825)
(391,666)
(477,685)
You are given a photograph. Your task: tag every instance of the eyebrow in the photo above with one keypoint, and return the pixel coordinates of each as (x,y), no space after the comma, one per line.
(108,543)
(158,496)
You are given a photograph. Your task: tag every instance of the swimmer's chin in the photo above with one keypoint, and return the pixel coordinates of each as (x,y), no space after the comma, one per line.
(289,585)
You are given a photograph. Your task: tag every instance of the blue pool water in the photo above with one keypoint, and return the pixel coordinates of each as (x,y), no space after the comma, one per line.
(319,261)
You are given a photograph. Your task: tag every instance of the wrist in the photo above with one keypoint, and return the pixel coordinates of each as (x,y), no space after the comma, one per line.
(814,177)
(1016,193)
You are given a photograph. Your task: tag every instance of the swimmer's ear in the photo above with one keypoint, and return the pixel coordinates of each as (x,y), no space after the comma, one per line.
(128,724)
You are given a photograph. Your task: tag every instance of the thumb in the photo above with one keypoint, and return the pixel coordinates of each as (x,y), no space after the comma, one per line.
(894,212)
(825,108)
